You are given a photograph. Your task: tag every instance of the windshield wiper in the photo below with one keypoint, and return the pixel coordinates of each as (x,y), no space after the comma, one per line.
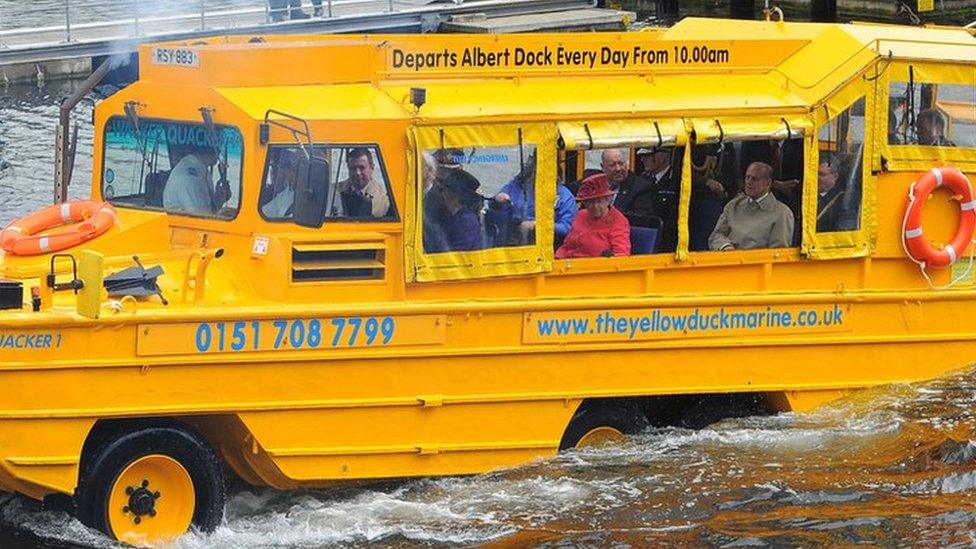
(133,117)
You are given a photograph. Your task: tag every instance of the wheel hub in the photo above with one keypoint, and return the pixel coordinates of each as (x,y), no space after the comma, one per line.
(136,513)
(142,502)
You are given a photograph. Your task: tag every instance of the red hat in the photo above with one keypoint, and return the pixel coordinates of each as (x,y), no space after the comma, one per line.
(595,186)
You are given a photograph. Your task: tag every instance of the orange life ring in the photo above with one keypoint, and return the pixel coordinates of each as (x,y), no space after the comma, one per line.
(919,248)
(24,236)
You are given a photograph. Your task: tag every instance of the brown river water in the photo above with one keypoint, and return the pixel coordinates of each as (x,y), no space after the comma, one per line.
(890,467)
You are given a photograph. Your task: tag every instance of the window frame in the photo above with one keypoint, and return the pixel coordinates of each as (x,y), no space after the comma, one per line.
(487,262)
(739,128)
(375,146)
(240,183)
(862,241)
(910,156)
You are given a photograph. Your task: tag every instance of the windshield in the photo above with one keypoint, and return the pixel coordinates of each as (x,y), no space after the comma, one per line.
(177,167)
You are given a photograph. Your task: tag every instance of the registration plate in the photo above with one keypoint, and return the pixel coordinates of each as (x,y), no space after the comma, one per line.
(179,57)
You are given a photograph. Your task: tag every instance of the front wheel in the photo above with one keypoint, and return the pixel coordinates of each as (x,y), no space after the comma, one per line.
(152,485)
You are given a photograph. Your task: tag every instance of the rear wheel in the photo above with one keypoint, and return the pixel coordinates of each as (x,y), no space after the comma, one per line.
(152,485)
(601,423)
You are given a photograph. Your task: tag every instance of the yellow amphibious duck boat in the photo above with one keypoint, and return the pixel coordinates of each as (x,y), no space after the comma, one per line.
(297,268)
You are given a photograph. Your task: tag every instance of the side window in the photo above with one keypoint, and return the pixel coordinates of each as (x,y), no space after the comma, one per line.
(479,198)
(646,190)
(940,115)
(839,169)
(286,168)
(361,191)
(746,194)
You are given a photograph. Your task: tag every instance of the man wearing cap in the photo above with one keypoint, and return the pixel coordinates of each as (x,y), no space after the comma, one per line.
(658,170)
(755,219)
(599,229)
(633,196)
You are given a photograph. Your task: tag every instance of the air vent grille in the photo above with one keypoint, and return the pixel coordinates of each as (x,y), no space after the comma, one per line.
(338,261)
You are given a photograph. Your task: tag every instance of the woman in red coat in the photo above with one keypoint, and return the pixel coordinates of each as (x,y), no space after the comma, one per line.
(599,229)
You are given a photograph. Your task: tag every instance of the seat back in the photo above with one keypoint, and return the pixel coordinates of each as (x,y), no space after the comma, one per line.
(642,240)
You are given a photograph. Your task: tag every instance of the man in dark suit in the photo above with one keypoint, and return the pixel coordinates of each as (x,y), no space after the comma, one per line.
(635,195)
(834,206)
(661,168)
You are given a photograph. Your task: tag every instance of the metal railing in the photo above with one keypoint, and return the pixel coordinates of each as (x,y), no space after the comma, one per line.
(139,23)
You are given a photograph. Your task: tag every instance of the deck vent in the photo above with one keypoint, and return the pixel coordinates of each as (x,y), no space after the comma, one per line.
(338,261)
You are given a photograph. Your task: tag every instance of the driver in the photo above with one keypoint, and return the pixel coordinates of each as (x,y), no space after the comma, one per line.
(284,174)
(189,187)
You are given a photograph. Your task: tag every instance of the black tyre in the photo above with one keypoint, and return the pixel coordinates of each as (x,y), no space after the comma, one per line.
(712,409)
(150,485)
(597,423)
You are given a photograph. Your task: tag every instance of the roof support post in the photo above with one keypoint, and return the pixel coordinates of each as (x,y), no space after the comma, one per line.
(823,11)
(667,9)
(742,9)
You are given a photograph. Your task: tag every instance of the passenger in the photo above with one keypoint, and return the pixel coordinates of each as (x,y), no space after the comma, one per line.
(665,182)
(189,187)
(655,162)
(634,196)
(462,229)
(600,229)
(930,128)
(833,214)
(785,158)
(284,175)
(519,194)
(435,213)
(317,11)
(362,196)
(755,219)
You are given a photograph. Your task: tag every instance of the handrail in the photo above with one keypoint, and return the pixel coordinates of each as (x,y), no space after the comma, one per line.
(138,22)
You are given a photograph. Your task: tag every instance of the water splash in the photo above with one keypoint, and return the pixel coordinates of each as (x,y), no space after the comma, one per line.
(892,466)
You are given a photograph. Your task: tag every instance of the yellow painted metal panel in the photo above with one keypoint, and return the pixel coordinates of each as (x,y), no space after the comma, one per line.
(306,334)
(90,272)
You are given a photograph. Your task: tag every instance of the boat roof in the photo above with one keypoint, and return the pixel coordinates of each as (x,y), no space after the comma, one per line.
(697,66)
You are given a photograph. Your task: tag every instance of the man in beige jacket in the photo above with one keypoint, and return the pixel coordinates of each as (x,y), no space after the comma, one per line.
(755,219)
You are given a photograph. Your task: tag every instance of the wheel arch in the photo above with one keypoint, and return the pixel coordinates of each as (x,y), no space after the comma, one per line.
(226,435)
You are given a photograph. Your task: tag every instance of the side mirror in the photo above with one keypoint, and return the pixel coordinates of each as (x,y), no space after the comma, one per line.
(311,192)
